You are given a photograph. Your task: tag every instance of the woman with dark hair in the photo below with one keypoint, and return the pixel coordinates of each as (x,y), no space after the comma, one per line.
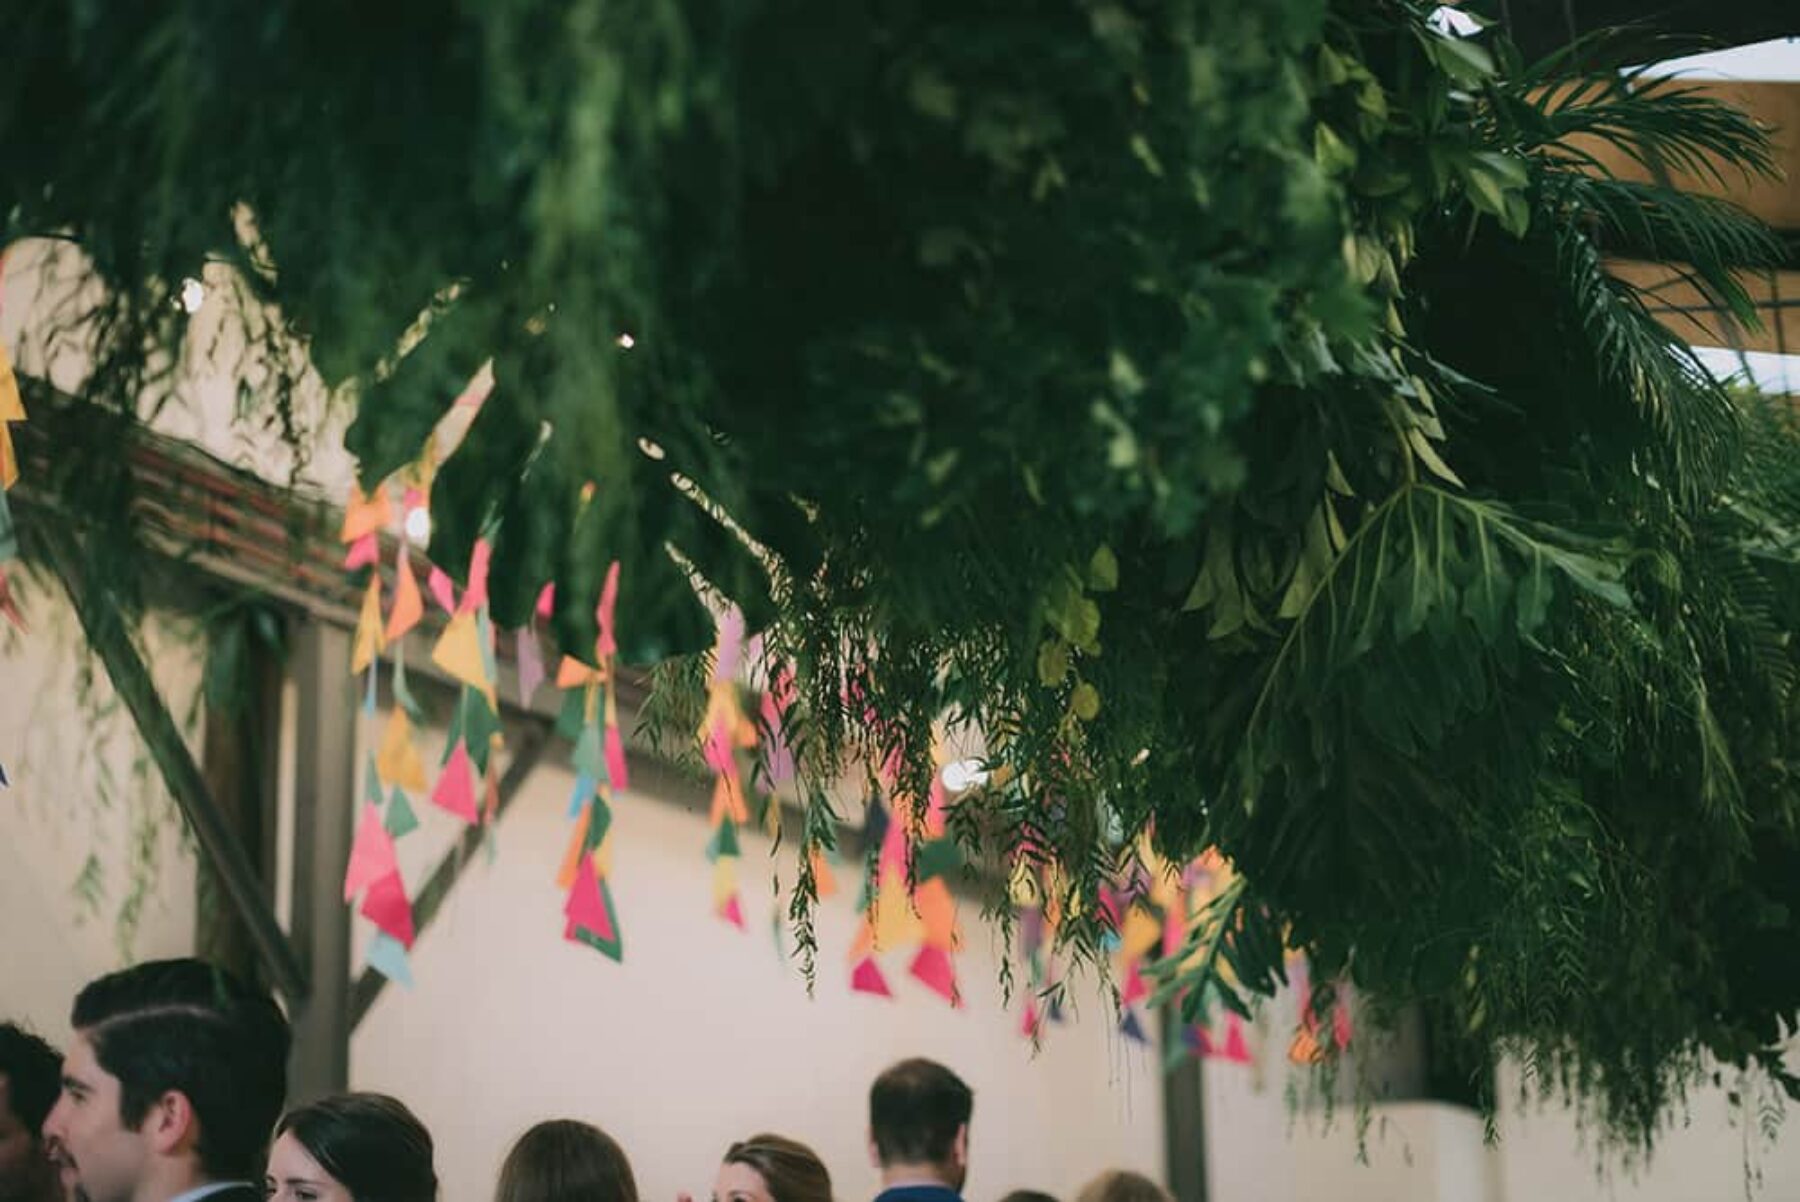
(354,1147)
(566,1161)
(771,1168)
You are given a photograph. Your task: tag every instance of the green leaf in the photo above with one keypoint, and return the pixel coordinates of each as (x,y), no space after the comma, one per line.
(1103,570)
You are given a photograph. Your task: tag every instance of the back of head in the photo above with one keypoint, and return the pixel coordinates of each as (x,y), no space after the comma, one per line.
(1122,1185)
(564,1160)
(32,1070)
(30,1078)
(916,1109)
(1028,1195)
(370,1143)
(791,1170)
(186,1026)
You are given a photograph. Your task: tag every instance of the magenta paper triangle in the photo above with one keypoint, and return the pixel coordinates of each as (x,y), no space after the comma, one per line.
(455,789)
(934,968)
(867,978)
(733,912)
(586,907)
(386,906)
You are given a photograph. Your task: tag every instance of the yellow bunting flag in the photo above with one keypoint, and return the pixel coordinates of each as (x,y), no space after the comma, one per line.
(369,639)
(458,652)
(398,762)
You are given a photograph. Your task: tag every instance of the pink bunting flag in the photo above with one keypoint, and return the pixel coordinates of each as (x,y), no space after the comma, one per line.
(609,597)
(616,769)
(455,789)
(546,602)
(1136,990)
(476,595)
(531,663)
(386,906)
(363,552)
(733,912)
(371,853)
(1236,1050)
(717,751)
(933,967)
(586,907)
(867,978)
(731,645)
(442,590)
(1032,1022)
(778,758)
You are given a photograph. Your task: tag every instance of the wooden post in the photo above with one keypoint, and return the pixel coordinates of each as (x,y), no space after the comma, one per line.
(1184,1118)
(324,822)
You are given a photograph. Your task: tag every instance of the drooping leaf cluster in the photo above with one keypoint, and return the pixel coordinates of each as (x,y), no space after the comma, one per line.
(1224,409)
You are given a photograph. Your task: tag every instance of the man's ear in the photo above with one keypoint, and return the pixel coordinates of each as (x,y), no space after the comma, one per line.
(959,1147)
(874,1151)
(170,1125)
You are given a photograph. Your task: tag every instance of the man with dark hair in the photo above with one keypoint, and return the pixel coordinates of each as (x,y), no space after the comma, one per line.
(170,1087)
(29,1070)
(919,1132)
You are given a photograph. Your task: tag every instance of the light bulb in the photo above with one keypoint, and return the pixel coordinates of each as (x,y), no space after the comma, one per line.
(960,775)
(418,526)
(193,295)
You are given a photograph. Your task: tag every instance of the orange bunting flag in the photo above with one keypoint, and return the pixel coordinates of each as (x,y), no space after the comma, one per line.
(365,515)
(409,603)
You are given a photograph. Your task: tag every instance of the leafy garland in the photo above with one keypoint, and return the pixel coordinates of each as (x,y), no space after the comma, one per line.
(1223,409)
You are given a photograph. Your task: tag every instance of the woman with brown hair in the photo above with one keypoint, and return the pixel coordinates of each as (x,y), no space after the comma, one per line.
(771,1168)
(564,1160)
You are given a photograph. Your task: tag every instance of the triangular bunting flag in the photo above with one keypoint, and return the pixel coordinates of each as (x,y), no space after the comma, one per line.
(365,516)
(388,958)
(398,762)
(369,638)
(476,595)
(409,605)
(724,841)
(616,770)
(585,907)
(363,553)
(455,791)
(386,906)
(1133,1029)
(586,759)
(400,817)
(1236,1050)
(578,797)
(933,967)
(867,978)
(733,912)
(609,594)
(371,853)
(439,585)
(458,652)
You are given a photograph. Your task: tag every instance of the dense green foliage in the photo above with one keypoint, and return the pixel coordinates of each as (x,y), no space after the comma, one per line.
(1220,406)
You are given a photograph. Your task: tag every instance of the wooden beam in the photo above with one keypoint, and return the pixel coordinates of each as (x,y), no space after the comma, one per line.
(106,633)
(1695,320)
(1774,104)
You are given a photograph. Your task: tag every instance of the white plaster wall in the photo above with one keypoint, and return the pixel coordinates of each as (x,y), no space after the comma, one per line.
(82,786)
(706,1034)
